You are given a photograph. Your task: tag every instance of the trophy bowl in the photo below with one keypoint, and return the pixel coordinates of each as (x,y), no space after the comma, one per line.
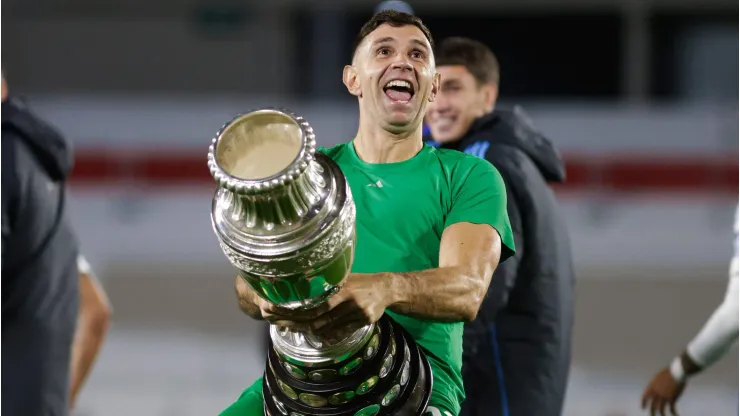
(284,217)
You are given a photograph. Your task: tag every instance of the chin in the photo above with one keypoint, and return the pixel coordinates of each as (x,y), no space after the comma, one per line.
(401,120)
(396,126)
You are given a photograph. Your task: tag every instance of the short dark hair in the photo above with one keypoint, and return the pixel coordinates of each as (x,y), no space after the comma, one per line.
(393,18)
(475,56)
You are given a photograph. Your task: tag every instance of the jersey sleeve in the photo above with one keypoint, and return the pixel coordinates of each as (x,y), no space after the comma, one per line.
(479,197)
(720,332)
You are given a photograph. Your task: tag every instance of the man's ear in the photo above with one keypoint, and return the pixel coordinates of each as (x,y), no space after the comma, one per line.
(349,77)
(490,95)
(435,86)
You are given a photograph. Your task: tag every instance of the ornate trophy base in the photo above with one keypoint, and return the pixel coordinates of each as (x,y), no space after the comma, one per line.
(389,376)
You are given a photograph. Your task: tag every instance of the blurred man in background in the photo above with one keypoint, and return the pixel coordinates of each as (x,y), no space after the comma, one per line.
(517,351)
(712,342)
(52,310)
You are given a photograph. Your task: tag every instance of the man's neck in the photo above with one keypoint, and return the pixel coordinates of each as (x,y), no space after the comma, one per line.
(373,144)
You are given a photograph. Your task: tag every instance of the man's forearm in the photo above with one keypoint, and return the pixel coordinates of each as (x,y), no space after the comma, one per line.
(92,325)
(88,341)
(451,294)
(717,335)
(715,338)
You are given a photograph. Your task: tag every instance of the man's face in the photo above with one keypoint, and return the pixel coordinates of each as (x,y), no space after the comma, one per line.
(460,101)
(393,76)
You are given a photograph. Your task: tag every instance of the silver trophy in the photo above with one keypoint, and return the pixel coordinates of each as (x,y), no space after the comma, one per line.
(285,218)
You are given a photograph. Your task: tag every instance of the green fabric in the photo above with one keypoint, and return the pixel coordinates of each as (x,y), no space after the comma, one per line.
(251,403)
(402,210)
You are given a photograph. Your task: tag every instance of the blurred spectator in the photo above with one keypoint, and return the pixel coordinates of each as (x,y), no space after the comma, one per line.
(43,272)
(517,352)
(712,342)
(39,265)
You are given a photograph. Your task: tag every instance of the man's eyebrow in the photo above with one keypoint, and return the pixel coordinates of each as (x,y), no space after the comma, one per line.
(420,43)
(384,40)
(389,39)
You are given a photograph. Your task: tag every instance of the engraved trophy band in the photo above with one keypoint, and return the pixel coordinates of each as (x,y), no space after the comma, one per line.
(284,217)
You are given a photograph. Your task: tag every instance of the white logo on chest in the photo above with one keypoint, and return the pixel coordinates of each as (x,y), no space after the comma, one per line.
(377,184)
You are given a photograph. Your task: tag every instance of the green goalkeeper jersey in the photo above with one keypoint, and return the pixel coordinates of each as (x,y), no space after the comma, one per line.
(402,210)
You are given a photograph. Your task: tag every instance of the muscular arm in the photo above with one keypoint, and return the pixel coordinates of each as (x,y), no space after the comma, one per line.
(469,254)
(92,325)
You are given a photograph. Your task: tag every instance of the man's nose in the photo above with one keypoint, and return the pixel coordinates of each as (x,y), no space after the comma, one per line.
(440,103)
(402,62)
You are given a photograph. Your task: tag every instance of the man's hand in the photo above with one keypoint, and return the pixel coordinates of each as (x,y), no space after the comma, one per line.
(361,301)
(253,305)
(662,391)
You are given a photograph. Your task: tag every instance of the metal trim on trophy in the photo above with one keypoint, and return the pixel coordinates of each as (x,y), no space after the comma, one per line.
(285,218)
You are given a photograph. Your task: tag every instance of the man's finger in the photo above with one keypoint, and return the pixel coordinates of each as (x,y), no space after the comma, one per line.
(291,325)
(672,405)
(299,315)
(645,397)
(313,313)
(328,320)
(334,301)
(272,318)
(266,306)
(655,405)
(345,323)
(340,331)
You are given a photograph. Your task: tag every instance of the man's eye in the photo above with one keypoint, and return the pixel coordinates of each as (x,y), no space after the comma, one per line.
(417,55)
(384,51)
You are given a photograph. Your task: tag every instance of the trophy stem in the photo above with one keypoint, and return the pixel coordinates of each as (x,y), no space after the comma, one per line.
(311,351)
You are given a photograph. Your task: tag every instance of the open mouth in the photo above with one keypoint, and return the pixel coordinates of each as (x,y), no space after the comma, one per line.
(399,90)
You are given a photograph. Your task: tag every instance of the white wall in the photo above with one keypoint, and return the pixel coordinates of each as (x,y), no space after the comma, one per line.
(638,232)
(191,122)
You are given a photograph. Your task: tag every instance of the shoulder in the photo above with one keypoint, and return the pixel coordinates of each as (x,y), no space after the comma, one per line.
(505,154)
(463,168)
(512,163)
(18,159)
(15,154)
(334,152)
(454,159)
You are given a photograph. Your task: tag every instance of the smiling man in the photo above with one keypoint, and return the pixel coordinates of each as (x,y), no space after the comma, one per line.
(517,351)
(431,224)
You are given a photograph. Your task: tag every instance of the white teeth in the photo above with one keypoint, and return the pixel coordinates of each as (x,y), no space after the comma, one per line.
(398,83)
(444,122)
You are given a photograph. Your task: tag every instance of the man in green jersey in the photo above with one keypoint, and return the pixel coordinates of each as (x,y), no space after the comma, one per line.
(431,223)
